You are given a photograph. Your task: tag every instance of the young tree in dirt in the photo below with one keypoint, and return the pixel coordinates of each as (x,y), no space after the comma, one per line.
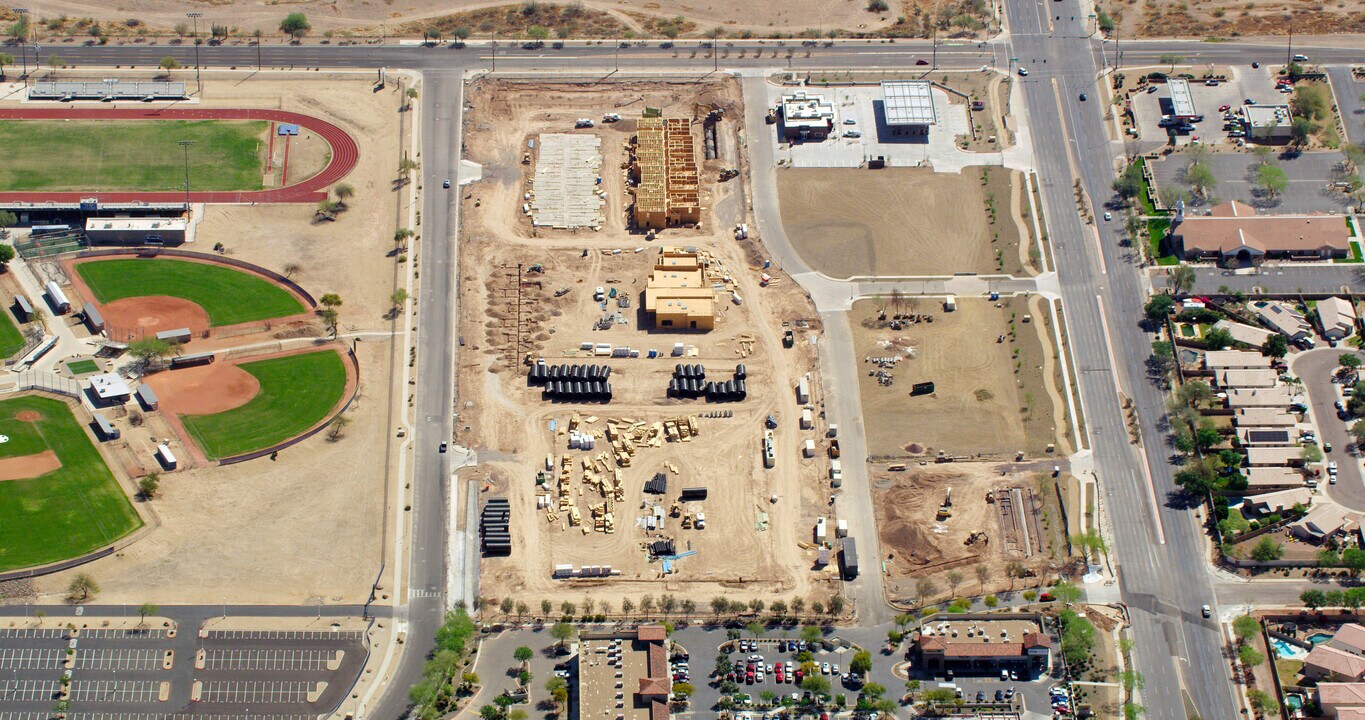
(344,192)
(148,486)
(292,269)
(836,605)
(627,606)
(507,605)
(897,301)
(1015,570)
(295,25)
(647,604)
(1245,628)
(954,581)
(144,610)
(1172,59)
(522,610)
(399,298)
(337,429)
(401,237)
(169,63)
(545,608)
(1182,279)
(411,95)
(924,589)
(150,350)
(329,313)
(82,588)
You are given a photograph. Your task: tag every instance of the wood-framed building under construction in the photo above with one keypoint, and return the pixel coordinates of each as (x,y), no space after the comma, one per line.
(665,169)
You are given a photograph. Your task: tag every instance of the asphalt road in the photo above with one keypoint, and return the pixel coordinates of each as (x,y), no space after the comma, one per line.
(1172,641)
(1315,369)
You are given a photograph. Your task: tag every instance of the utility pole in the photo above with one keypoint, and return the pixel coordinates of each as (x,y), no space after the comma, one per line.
(1288,52)
(935,41)
(197,82)
(493,43)
(23,51)
(1117,56)
(185,144)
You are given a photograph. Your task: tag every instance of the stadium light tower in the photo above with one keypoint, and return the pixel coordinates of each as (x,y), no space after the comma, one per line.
(185,144)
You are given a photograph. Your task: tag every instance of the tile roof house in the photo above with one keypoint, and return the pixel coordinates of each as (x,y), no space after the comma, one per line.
(1323,522)
(1327,663)
(1233,232)
(1282,319)
(1337,317)
(1349,638)
(1337,696)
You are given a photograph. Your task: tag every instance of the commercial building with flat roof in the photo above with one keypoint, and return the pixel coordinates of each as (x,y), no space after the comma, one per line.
(1182,101)
(678,294)
(1267,122)
(806,116)
(908,106)
(136,230)
(623,675)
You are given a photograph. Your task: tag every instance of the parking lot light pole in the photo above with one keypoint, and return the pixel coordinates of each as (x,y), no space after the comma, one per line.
(195,17)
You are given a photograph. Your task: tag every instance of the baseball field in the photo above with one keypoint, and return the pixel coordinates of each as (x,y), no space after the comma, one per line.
(296,393)
(143,155)
(228,296)
(58,498)
(10,337)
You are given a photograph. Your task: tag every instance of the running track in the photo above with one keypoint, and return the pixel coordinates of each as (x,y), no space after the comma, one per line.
(345,153)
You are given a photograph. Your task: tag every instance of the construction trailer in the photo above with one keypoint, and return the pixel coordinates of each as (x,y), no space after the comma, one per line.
(164,456)
(57,298)
(848,559)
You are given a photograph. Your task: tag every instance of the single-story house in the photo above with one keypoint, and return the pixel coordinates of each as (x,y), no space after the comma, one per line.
(1243,333)
(1274,457)
(1234,359)
(1337,317)
(1282,319)
(1247,378)
(1329,663)
(1334,697)
(1323,522)
(1264,417)
(1234,233)
(1276,397)
(1265,437)
(1349,638)
(1276,502)
(1260,479)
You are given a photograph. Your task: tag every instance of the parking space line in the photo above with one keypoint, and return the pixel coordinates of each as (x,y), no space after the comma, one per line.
(27,690)
(238,659)
(12,715)
(118,659)
(273,692)
(33,633)
(29,658)
(127,691)
(285,635)
(133,634)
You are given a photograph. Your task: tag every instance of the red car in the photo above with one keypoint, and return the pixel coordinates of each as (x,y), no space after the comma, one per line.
(1224,108)
(799,674)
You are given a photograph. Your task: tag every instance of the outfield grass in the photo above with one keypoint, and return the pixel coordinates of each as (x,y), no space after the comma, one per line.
(139,155)
(64,513)
(228,296)
(82,367)
(297,392)
(10,337)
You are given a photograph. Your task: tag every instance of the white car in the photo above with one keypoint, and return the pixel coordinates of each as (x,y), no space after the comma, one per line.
(824,669)
(850,121)
(852,134)
(1332,468)
(1108,217)
(1023,72)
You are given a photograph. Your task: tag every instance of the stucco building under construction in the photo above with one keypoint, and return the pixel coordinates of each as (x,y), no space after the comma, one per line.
(665,170)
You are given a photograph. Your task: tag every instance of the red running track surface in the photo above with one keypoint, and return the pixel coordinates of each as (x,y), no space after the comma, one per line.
(345,154)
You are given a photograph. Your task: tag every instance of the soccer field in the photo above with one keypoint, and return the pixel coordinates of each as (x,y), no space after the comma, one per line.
(64,513)
(133,155)
(297,392)
(228,296)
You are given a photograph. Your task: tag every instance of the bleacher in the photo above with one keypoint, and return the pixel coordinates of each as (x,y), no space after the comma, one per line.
(107,90)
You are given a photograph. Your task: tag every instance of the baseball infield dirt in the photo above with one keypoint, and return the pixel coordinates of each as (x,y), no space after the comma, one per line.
(205,389)
(155,313)
(29,466)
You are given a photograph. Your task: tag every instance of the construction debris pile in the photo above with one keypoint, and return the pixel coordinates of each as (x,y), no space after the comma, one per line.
(602,472)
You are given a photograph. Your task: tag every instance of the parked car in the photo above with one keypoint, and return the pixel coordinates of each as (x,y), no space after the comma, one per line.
(1224,107)
(1206,611)
(852,134)
(1023,72)
(1151,89)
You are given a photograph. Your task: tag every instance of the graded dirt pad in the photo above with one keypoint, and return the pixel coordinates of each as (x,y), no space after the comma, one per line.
(153,314)
(204,389)
(29,466)
(922,546)
(737,555)
(900,221)
(989,399)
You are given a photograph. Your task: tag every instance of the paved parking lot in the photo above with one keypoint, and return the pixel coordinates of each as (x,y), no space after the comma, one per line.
(120,674)
(1310,178)
(1245,82)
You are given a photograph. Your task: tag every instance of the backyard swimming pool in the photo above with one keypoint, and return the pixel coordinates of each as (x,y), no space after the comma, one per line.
(1319,638)
(1287,651)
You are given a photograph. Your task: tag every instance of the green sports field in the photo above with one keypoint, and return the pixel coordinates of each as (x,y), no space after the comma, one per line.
(297,392)
(142,155)
(228,296)
(65,513)
(10,337)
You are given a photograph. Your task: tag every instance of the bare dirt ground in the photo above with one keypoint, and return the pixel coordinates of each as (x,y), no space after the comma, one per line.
(29,466)
(205,389)
(156,313)
(738,555)
(363,17)
(901,221)
(264,531)
(1223,18)
(990,399)
(921,545)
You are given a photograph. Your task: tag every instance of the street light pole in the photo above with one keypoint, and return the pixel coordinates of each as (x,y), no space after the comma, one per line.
(197,82)
(23,51)
(185,144)
(493,46)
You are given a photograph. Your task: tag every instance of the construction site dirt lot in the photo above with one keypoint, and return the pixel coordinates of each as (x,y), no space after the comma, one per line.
(551,313)
(992,375)
(905,221)
(268,531)
(1021,523)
